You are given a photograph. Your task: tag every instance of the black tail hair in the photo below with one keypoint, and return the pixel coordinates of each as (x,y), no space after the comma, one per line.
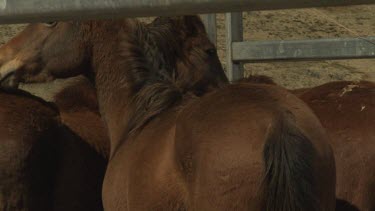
(288,183)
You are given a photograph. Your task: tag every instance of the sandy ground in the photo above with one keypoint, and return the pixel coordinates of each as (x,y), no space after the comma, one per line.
(354,21)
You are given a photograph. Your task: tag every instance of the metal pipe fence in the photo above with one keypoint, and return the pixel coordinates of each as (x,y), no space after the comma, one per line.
(26,11)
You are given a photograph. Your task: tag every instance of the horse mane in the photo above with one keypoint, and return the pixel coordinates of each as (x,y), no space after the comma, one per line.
(149,53)
(25,94)
(190,34)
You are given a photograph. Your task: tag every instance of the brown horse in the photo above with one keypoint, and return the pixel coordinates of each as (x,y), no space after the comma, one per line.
(347,110)
(241,147)
(46,165)
(28,127)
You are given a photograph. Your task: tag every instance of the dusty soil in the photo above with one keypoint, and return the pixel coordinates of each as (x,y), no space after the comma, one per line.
(354,21)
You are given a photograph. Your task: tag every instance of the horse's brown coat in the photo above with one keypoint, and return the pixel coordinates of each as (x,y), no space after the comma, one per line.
(242,147)
(27,126)
(79,111)
(347,110)
(44,164)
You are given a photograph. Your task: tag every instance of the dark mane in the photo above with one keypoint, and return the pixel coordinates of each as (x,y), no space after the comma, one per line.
(22,93)
(149,55)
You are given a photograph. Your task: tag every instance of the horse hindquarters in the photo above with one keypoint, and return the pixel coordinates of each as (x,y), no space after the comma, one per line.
(242,151)
(289,183)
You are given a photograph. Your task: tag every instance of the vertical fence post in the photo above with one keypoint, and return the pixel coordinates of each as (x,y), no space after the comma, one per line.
(209,21)
(234,33)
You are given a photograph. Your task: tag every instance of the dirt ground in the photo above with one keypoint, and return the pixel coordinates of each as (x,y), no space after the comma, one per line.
(354,21)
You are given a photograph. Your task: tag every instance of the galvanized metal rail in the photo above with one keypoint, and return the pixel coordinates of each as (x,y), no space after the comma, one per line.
(26,11)
(316,49)
(239,52)
(19,11)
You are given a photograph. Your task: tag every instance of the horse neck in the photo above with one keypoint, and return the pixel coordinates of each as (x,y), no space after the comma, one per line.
(115,91)
(111,85)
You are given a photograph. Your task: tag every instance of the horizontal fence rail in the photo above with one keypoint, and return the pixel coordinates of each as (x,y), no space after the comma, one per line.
(24,11)
(316,49)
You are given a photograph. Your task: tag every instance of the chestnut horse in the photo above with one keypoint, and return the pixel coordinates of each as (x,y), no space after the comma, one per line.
(347,110)
(46,165)
(239,147)
(28,128)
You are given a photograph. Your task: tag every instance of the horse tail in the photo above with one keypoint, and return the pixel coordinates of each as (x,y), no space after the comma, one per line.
(288,183)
